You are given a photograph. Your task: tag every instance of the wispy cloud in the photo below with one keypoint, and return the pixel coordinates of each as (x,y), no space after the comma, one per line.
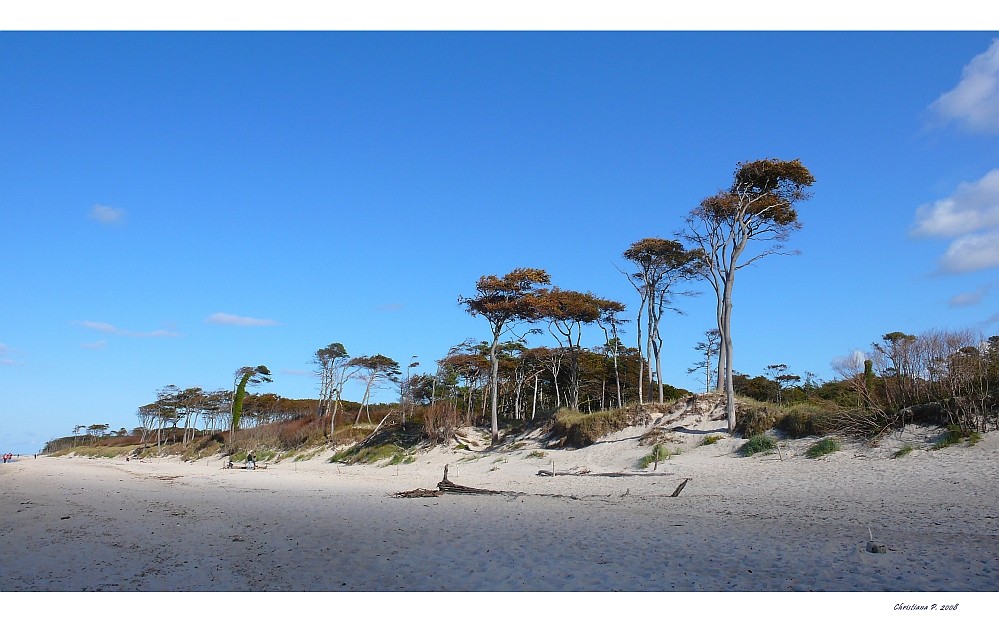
(970,216)
(974,102)
(297,372)
(228,319)
(96,345)
(969,299)
(110,329)
(4,358)
(107,215)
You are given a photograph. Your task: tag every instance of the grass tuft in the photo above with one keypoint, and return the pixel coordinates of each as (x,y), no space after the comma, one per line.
(711,439)
(904,451)
(758,444)
(659,454)
(822,448)
(955,436)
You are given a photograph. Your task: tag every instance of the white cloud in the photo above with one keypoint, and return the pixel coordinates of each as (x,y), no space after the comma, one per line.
(110,329)
(974,102)
(107,215)
(973,206)
(6,361)
(229,319)
(97,345)
(972,252)
(971,217)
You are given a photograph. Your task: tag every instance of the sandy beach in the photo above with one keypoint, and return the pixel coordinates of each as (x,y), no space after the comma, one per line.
(773,523)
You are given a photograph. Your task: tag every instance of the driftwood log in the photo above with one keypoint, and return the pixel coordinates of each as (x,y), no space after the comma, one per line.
(419,492)
(676,493)
(447,486)
(584,472)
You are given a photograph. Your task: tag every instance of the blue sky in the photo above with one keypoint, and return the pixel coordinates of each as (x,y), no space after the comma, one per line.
(175,205)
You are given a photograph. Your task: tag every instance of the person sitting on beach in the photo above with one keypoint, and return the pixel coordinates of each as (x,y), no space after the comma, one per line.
(251,462)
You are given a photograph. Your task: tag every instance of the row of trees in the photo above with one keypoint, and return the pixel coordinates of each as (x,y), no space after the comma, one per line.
(727,232)
(758,208)
(94,432)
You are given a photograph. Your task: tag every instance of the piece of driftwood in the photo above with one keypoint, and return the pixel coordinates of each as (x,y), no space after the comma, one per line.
(446,485)
(419,492)
(676,493)
(546,473)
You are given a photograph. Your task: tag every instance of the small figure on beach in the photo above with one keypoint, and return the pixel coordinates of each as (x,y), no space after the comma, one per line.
(251,461)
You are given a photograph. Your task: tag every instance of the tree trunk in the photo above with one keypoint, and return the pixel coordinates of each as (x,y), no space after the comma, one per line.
(494,382)
(534,403)
(727,340)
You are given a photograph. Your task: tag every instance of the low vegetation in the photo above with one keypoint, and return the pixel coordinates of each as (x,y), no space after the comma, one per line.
(955,435)
(390,453)
(904,451)
(758,444)
(576,429)
(711,439)
(660,453)
(822,448)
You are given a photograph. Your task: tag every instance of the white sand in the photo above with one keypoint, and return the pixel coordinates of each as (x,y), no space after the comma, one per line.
(749,525)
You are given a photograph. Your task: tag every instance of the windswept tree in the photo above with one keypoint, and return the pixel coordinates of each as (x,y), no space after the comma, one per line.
(609,322)
(661,264)
(374,370)
(504,301)
(567,311)
(334,370)
(245,376)
(758,208)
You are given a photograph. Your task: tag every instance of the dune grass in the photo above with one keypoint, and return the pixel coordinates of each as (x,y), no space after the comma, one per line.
(758,444)
(823,448)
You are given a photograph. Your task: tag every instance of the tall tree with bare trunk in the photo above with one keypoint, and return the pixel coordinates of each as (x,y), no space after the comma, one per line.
(758,209)
(504,301)
(661,264)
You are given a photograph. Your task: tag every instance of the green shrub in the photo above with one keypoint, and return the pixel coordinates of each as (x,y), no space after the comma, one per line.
(824,447)
(905,451)
(535,454)
(759,443)
(754,418)
(711,439)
